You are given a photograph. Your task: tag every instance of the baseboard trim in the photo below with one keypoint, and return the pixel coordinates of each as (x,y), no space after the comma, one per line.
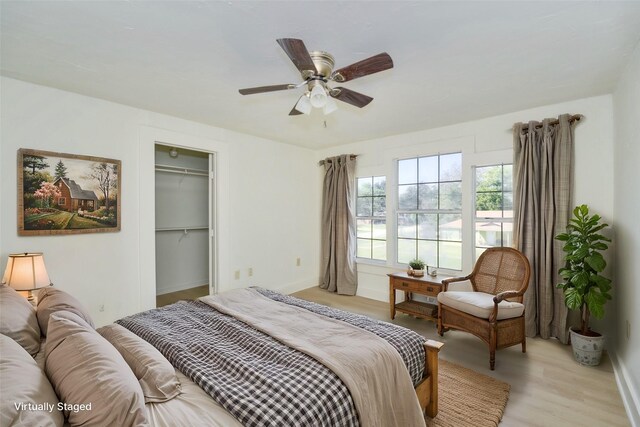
(630,398)
(297,286)
(181,287)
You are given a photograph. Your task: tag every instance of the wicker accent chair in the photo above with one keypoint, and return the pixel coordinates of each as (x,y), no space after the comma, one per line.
(494,310)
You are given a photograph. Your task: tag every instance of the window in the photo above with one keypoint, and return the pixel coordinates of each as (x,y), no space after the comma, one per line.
(494,207)
(430,210)
(62,200)
(371,218)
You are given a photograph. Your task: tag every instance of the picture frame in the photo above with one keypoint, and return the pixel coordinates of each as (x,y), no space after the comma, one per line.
(60,193)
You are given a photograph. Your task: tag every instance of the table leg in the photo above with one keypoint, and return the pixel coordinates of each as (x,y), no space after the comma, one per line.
(392,301)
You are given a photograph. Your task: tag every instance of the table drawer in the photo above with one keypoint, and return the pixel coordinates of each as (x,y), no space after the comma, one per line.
(411,286)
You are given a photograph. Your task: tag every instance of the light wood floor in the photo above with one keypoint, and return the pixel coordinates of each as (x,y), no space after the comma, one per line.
(192,293)
(548,388)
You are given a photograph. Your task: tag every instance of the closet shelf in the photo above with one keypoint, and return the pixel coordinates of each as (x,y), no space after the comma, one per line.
(182,170)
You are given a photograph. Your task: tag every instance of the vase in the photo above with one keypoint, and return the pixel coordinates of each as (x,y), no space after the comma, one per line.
(587,350)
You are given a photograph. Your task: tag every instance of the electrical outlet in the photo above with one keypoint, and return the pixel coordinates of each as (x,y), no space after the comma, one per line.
(628,330)
(237,274)
(298,262)
(250,271)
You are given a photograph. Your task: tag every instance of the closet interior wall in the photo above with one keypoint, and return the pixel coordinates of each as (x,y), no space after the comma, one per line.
(182,219)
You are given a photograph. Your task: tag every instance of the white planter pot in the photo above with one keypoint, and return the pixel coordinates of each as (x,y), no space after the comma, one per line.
(587,350)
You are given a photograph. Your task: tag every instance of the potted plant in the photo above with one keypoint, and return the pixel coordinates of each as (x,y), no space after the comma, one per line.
(585,289)
(416,267)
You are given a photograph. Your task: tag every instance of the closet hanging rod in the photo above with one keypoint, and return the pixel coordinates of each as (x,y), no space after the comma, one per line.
(184,171)
(185,229)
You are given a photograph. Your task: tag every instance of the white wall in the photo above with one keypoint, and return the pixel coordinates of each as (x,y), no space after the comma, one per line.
(626,108)
(489,141)
(256,197)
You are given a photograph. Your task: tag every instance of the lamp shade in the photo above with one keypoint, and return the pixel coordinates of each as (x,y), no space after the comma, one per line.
(303,105)
(26,272)
(330,106)
(318,96)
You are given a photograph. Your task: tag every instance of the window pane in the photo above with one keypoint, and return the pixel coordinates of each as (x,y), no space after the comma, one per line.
(508,177)
(428,169)
(364,187)
(406,250)
(379,206)
(428,226)
(363,206)
(428,196)
(508,205)
(408,171)
(450,255)
(428,252)
(489,178)
(379,185)
(363,227)
(450,227)
(407,197)
(451,167)
(379,250)
(479,252)
(364,248)
(507,234)
(451,196)
(379,229)
(489,205)
(488,234)
(407,225)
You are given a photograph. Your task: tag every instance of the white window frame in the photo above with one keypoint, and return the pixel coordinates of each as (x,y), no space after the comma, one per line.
(438,211)
(501,220)
(374,261)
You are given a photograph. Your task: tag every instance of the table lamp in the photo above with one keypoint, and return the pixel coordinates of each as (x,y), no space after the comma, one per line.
(26,272)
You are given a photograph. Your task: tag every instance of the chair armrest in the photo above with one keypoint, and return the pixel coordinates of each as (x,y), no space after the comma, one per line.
(506,294)
(446,282)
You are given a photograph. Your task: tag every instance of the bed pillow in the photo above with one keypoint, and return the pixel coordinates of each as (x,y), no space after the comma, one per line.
(18,320)
(88,372)
(156,375)
(52,299)
(23,382)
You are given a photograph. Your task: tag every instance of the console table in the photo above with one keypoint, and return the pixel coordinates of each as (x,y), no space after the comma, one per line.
(426,285)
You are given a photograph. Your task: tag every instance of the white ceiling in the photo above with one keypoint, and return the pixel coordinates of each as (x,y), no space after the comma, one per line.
(454,61)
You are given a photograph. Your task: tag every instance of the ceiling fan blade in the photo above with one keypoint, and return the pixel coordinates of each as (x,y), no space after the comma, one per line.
(350,97)
(372,65)
(261,89)
(294,112)
(299,55)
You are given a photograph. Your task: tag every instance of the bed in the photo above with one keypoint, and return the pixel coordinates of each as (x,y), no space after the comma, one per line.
(249,357)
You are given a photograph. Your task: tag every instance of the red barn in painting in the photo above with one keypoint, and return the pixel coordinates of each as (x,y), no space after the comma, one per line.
(74,197)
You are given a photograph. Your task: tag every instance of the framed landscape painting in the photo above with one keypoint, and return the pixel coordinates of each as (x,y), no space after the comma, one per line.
(67,194)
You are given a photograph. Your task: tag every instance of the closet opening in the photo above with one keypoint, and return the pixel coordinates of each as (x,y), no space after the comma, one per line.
(184,215)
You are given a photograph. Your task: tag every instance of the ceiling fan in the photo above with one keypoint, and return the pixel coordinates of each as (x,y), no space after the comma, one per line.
(316,69)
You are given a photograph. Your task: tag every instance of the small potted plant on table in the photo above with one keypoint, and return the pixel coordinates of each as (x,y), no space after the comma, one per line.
(416,267)
(584,288)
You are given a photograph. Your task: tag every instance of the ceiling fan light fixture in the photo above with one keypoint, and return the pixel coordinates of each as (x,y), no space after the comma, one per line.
(304,105)
(318,96)
(330,106)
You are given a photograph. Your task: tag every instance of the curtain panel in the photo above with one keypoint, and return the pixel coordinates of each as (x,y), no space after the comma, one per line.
(338,266)
(543,175)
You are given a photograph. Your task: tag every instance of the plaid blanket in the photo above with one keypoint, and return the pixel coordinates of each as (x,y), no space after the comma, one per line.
(257,379)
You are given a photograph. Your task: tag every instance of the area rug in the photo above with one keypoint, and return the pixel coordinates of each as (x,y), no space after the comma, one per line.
(467,398)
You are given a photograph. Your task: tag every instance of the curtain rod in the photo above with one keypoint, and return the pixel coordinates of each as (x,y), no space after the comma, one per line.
(574,118)
(322,162)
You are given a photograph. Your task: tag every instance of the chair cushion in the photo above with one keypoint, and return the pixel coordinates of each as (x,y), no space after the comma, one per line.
(480,304)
